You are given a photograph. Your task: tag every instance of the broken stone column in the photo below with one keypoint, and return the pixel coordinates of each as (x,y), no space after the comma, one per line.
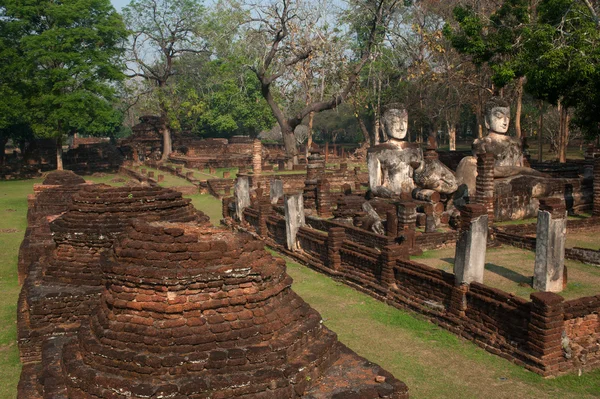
(294,219)
(550,245)
(315,168)
(469,261)
(407,223)
(257,157)
(276,191)
(241,193)
(323,198)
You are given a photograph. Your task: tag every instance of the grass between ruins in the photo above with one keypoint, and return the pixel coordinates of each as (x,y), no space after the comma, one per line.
(510,269)
(433,362)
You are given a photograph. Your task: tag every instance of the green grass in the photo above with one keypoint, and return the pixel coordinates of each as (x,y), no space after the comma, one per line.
(433,362)
(13,216)
(209,205)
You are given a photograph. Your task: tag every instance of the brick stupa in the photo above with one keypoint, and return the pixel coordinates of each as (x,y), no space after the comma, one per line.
(50,199)
(200,312)
(65,285)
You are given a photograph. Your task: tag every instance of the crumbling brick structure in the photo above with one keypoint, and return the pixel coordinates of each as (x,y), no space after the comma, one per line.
(50,199)
(63,287)
(197,312)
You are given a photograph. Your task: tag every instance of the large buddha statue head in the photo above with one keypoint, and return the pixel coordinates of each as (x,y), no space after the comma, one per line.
(395,121)
(497,115)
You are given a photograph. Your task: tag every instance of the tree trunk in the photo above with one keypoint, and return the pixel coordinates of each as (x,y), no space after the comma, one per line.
(451,136)
(3,142)
(167,143)
(564,139)
(541,133)
(519,106)
(289,142)
(59,160)
(309,140)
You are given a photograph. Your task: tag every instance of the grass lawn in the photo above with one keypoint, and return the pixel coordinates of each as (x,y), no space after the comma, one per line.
(511,270)
(433,362)
(13,221)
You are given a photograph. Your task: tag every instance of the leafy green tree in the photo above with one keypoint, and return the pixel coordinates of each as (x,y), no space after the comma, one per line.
(71,51)
(564,57)
(221,98)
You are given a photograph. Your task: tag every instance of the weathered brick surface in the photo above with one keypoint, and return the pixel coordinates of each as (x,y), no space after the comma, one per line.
(197,312)
(64,286)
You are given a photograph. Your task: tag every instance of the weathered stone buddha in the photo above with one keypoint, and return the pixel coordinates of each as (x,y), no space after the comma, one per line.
(391,164)
(397,167)
(508,154)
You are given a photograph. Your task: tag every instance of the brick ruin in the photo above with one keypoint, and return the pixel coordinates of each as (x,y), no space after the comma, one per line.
(197,312)
(62,287)
(547,334)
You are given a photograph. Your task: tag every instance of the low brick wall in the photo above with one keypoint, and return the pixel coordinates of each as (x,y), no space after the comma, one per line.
(529,333)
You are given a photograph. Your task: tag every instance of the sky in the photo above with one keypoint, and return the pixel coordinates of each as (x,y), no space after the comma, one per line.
(118,4)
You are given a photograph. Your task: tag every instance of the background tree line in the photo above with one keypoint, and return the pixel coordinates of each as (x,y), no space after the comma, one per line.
(301,70)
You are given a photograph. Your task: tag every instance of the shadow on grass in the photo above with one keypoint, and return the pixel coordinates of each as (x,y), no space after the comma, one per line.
(508,274)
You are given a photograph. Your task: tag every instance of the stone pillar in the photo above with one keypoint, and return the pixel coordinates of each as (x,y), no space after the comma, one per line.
(407,222)
(189,175)
(264,210)
(596,211)
(430,219)
(550,245)
(545,331)
(323,199)
(257,157)
(484,184)
(161,178)
(326,152)
(276,191)
(241,193)
(226,175)
(335,239)
(151,174)
(143,171)
(469,261)
(315,168)
(391,229)
(294,219)
(225,207)
(178,170)
(212,170)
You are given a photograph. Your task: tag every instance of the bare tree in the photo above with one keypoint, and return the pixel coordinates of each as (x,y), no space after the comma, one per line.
(292,32)
(162,31)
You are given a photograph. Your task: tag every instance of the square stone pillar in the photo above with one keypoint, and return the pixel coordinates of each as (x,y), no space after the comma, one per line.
(276,190)
(294,219)
(550,245)
(264,210)
(241,193)
(257,157)
(389,255)
(391,226)
(469,260)
(323,199)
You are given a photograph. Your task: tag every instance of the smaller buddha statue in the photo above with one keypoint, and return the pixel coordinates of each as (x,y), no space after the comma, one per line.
(391,164)
(507,151)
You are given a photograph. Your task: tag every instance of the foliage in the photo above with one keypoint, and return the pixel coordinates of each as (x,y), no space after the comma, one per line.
(70,56)
(221,98)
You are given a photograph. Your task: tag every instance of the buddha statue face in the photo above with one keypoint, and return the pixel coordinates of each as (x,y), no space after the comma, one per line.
(395,123)
(497,116)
